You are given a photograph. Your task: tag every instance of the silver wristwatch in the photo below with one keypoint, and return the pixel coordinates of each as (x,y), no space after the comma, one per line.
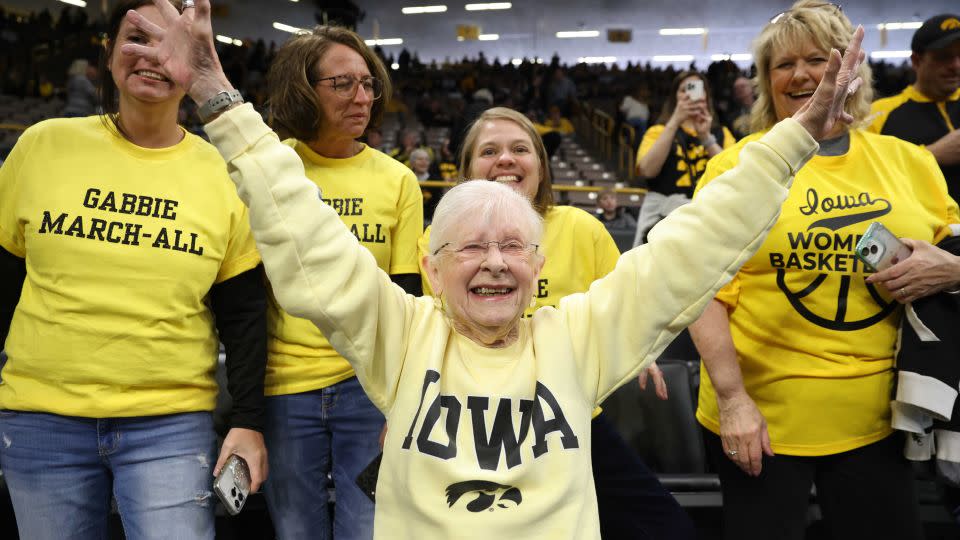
(217,104)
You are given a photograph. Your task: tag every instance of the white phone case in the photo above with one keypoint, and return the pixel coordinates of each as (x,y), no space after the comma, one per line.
(233,484)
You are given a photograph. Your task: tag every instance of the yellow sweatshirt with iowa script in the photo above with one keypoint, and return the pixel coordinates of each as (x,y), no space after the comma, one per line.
(495,443)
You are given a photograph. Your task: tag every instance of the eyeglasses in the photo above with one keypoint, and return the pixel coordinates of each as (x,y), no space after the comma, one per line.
(779,16)
(513,249)
(346,85)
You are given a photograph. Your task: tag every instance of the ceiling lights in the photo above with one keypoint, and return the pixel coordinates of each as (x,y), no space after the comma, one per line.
(486,7)
(384,41)
(288,28)
(416,10)
(578,34)
(682,31)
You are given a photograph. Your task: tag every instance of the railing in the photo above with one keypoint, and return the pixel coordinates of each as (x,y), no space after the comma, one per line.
(555,187)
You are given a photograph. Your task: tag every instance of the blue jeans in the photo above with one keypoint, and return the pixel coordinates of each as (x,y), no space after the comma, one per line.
(62,471)
(333,430)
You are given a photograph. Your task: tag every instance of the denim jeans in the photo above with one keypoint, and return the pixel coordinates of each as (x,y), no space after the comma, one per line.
(333,430)
(62,471)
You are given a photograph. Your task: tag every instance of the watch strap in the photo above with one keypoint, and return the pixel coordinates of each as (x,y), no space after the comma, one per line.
(218,104)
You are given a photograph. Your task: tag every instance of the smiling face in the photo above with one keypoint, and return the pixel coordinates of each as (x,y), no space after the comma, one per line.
(504,152)
(343,117)
(138,79)
(486,291)
(794,76)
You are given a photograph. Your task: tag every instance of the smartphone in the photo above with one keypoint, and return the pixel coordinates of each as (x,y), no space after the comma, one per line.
(233,484)
(695,91)
(367,479)
(879,248)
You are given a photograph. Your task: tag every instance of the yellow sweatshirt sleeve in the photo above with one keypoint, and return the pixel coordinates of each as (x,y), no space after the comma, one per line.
(318,269)
(626,319)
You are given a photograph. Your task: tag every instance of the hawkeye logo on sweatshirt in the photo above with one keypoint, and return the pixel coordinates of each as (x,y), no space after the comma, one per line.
(543,414)
(486,494)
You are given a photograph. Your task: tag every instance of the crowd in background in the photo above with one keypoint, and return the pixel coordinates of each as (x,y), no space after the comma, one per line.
(37,51)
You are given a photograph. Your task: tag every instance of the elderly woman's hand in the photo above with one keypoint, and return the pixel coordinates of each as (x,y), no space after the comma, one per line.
(928,270)
(654,372)
(820,114)
(743,431)
(184,49)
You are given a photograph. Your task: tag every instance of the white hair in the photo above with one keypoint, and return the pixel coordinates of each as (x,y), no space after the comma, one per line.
(485,200)
(419,152)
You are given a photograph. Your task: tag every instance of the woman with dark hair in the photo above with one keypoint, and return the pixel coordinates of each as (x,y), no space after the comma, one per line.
(125,254)
(674,152)
(325,87)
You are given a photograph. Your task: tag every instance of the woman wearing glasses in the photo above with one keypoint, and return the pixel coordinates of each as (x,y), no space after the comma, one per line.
(325,88)
(798,348)
(490,410)
(502,145)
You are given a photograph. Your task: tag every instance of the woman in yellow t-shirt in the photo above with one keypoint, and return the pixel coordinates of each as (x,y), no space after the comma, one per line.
(326,87)
(674,152)
(798,348)
(502,145)
(125,254)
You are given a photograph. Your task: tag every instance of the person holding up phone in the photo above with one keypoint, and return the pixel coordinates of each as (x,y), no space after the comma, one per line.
(674,152)
(798,348)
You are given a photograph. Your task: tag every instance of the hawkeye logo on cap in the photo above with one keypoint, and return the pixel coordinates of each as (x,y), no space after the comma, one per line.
(950,24)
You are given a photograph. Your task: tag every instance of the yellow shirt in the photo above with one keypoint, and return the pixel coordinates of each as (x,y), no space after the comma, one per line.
(122,245)
(379,200)
(496,443)
(684,164)
(815,342)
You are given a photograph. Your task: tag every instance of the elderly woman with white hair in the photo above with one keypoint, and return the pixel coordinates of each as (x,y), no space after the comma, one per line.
(490,411)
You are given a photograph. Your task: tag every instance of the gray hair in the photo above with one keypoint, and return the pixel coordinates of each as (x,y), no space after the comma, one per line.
(419,152)
(483,199)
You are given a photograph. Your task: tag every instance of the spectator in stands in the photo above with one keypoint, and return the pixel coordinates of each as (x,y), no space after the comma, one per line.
(125,254)
(555,121)
(612,215)
(798,348)
(674,152)
(326,86)
(471,343)
(407,142)
(636,110)
(503,146)
(739,116)
(561,91)
(81,93)
(420,164)
(928,112)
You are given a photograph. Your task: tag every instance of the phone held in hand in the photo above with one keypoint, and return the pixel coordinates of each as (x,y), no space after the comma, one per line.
(233,484)
(879,248)
(694,90)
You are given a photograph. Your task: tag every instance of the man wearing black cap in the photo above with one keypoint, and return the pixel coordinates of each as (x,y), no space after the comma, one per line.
(928,112)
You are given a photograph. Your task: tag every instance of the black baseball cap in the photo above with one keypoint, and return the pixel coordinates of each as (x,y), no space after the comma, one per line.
(936,33)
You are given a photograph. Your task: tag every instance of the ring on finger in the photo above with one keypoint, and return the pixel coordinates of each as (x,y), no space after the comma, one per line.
(903,292)
(187,4)
(732,452)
